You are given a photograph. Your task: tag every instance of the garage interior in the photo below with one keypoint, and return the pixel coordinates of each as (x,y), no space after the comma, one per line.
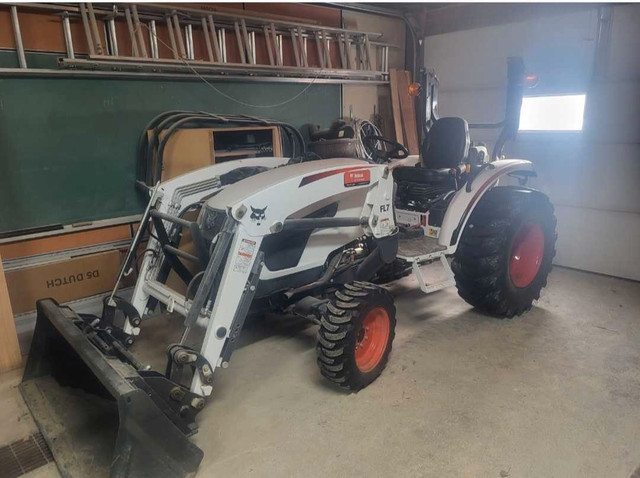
(553,391)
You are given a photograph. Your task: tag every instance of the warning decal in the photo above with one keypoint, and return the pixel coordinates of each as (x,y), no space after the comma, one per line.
(245,255)
(357,178)
(385,226)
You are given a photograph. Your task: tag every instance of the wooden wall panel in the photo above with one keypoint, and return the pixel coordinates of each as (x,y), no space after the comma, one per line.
(287,51)
(233,53)
(63,242)
(199,45)
(164,42)
(213,6)
(71,279)
(124,39)
(329,17)
(43,32)
(10,357)
(6,30)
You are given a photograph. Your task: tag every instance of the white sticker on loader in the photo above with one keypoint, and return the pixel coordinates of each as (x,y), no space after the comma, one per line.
(245,255)
(385,227)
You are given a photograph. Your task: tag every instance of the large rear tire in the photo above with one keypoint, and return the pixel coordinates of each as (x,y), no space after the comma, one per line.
(506,250)
(356,334)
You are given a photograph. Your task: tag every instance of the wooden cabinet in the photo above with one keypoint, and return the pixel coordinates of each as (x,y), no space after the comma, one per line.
(190,149)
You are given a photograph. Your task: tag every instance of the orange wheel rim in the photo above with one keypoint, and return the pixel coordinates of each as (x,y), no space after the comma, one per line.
(526,255)
(372,338)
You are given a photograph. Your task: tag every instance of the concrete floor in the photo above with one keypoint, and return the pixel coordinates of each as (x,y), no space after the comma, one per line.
(555,393)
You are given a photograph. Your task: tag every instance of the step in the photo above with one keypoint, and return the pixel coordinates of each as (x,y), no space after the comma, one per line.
(419,249)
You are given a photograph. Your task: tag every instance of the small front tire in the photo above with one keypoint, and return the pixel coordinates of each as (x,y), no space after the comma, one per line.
(356,334)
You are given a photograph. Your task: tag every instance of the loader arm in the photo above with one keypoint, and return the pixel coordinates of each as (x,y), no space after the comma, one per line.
(172,197)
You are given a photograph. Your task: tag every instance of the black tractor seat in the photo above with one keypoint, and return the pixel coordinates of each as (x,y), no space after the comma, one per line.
(445,147)
(447,144)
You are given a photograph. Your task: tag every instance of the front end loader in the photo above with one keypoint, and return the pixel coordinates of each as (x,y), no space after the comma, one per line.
(248,245)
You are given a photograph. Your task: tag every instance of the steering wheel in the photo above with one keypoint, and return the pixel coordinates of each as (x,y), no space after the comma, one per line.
(384,149)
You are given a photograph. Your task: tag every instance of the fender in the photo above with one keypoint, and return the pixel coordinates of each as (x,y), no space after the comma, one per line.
(466,199)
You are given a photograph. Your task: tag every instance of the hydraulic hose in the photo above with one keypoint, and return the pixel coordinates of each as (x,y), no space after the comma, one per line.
(143,142)
(175,120)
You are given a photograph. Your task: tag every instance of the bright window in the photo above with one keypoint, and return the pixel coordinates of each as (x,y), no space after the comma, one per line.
(552,113)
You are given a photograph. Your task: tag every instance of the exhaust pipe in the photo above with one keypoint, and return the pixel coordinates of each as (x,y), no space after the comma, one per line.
(99,414)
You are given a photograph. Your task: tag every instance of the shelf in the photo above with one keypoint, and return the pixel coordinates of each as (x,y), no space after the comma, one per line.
(238,152)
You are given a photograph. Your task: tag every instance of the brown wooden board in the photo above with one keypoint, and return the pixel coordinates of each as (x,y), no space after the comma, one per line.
(9,349)
(395,106)
(66,280)
(277,142)
(412,112)
(65,241)
(408,113)
(187,150)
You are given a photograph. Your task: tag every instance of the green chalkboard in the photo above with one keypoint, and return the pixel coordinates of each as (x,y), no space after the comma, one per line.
(68,146)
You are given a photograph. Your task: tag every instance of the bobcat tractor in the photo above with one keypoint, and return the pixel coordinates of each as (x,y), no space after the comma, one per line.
(310,238)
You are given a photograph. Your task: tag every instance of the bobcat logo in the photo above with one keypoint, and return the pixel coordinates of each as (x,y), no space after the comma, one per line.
(258,214)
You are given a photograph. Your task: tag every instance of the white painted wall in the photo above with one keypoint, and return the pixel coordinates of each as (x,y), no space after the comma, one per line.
(592,177)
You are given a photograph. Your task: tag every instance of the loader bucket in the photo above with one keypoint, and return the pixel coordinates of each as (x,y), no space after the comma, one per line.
(94,418)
